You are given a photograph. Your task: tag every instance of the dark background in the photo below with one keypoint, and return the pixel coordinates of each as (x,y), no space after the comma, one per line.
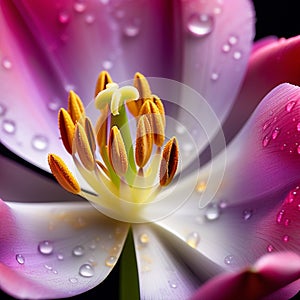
(279,18)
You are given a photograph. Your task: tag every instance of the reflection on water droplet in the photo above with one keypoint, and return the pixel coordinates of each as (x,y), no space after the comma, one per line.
(285,238)
(89,19)
(6,64)
(226,48)
(193,239)
(144,238)
(107,64)
(48,267)
(289,107)
(214,76)
(172,284)
(110,261)
(9,126)
(270,248)
(229,259)
(266,141)
(237,55)
(180,129)
(45,247)
(131,29)
(3,110)
(73,280)
(267,124)
(232,40)
(54,105)
(79,6)
(60,256)
(298,149)
(20,259)
(200,25)
(275,133)
(247,214)
(63,17)
(86,270)
(280,216)
(298,126)
(40,142)
(78,251)
(212,212)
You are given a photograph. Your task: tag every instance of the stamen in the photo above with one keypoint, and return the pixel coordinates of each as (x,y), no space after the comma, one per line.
(144,141)
(169,162)
(101,128)
(83,148)
(75,106)
(62,174)
(103,79)
(66,128)
(160,107)
(117,152)
(89,130)
(156,120)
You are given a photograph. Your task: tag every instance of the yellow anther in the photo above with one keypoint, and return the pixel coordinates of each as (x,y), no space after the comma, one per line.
(103,79)
(169,162)
(83,148)
(89,130)
(103,168)
(62,174)
(101,128)
(66,128)
(117,152)
(156,120)
(141,83)
(144,141)
(75,106)
(160,106)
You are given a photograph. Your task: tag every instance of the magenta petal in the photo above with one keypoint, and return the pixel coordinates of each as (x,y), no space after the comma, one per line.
(265,157)
(271,273)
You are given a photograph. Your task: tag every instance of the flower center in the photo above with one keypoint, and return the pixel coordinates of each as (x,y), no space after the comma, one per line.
(125,163)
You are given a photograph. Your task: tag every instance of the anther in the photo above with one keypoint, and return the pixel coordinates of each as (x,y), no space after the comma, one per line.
(103,79)
(169,162)
(75,106)
(66,128)
(62,174)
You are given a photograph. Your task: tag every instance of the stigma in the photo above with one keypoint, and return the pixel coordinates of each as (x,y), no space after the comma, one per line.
(124,154)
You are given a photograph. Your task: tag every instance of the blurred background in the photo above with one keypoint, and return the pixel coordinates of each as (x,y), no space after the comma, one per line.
(278,18)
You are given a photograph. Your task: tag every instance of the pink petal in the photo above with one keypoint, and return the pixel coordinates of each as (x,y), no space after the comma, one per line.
(269,274)
(265,157)
(56,250)
(269,65)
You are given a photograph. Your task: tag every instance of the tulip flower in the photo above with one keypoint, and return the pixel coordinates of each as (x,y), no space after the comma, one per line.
(126,154)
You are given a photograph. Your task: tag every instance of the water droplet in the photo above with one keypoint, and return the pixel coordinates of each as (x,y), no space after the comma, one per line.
(92,245)
(144,238)
(193,239)
(201,187)
(212,212)
(287,222)
(275,133)
(60,256)
(45,247)
(180,129)
(298,126)
(232,40)
(267,124)
(48,267)
(89,19)
(69,87)
(40,142)
(286,238)
(86,270)
(107,64)
(63,17)
(79,6)
(217,10)
(200,25)
(6,63)
(104,2)
(298,149)
(270,248)
(2,109)
(223,204)
(78,251)
(289,107)
(9,126)
(226,48)
(20,259)
(247,214)
(214,76)
(237,55)
(54,105)
(110,261)
(280,216)
(131,29)
(187,148)
(266,141)
(229,259)
(73,280)
(172,284)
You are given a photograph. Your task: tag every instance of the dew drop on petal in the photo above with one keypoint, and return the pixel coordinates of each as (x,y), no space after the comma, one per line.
(2,109)
(270,248)
(9,126)
(287,222)
(237,55)
(289,107)
(6,64)
(60,256)
(73,280)
(212,212)
(79,6)
(266,141)
(286,238)
(48,267)
(89,19)
(193,239)
(214,76)
(131,29)
(78,251)
(229,259)
(172,284)
(144,238)
(200,25)
(280,216)
(298,149)
(45,247)
(54,105)
(40,142)
(86,270)
(275,133)
(247,214)
(110,261)
(298,126)
(267,124)
(107,64)
(226,48)
(232,40)
(63,17)
(20,259)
